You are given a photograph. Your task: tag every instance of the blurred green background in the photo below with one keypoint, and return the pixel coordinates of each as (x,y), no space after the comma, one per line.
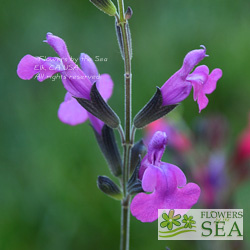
(48,194)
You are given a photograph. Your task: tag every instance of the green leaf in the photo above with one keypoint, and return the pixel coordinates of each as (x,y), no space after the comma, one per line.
(107,6)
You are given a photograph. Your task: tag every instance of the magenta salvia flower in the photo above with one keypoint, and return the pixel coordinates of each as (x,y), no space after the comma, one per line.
(70,111)
(178,86)
(77,82)
(166,182)
(73,78)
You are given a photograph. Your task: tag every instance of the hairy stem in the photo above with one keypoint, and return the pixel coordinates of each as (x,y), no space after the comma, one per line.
(125,214)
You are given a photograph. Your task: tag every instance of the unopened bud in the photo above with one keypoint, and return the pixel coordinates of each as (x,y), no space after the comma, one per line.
(108,187)
(107,6)
(128,13)
(119,38)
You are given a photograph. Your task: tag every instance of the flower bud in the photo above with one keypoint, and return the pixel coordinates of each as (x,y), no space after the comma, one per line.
(128,13)
(107,6)
(108,187)
(119,38)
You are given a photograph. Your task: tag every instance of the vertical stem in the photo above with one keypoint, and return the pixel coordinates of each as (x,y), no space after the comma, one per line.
(121,9)
(125,224)
(125,214)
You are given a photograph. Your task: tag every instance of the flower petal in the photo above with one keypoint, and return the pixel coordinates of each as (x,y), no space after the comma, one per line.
(197,88)
(210,85)
(202,101)
(179,175)
(105,86)
(184,198)
(157,147)
(192,59)
(30,66)
(76,83)
(202,69)
(144,165)
(175,90)
(89,68)
(71,112)
(145,207)
(149,179)
(203,83)
(96,123)
(58,45)
(26,68)
(198,79)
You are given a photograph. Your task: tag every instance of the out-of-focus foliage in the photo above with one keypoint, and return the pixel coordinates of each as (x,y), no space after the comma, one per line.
(48,194)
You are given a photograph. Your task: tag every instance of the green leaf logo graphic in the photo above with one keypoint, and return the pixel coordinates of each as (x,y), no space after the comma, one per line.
(188,221)
(170,220)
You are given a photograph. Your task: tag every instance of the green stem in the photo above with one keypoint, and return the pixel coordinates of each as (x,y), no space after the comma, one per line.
(125,224)
(121,9)
(127,144)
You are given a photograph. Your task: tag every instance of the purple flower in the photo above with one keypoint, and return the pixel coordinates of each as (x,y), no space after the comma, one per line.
(77,82)
(166,182)
(71,112)
(178,86)
(73,78)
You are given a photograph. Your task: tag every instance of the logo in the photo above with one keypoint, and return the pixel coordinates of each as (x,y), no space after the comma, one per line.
(200,224)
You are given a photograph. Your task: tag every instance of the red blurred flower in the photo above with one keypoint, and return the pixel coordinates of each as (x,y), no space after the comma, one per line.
(243,146)
(176,138)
